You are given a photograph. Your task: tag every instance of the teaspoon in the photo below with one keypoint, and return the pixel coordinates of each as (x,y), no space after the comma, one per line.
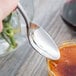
(40,40)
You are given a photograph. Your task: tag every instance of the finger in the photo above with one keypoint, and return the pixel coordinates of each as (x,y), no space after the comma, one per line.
(7,6)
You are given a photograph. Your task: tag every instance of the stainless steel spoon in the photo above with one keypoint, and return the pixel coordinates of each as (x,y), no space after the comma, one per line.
(40,39)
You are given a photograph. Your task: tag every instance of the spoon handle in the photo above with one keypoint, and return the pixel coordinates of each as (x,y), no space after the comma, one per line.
(26,19)
(23,13)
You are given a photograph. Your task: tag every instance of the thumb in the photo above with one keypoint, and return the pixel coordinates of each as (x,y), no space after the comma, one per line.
(1,26)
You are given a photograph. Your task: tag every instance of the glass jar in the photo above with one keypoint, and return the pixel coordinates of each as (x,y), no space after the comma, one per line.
(63,32)
(19,30)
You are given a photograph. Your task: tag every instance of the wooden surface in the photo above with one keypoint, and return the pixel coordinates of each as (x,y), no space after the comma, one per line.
(26,61)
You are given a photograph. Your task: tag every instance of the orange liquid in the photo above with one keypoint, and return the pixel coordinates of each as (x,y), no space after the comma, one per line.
(66,65)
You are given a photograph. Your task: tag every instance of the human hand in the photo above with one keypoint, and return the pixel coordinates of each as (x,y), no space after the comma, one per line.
(6,7)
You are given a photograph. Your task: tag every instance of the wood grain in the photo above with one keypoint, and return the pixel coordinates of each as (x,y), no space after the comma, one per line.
(26,61)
